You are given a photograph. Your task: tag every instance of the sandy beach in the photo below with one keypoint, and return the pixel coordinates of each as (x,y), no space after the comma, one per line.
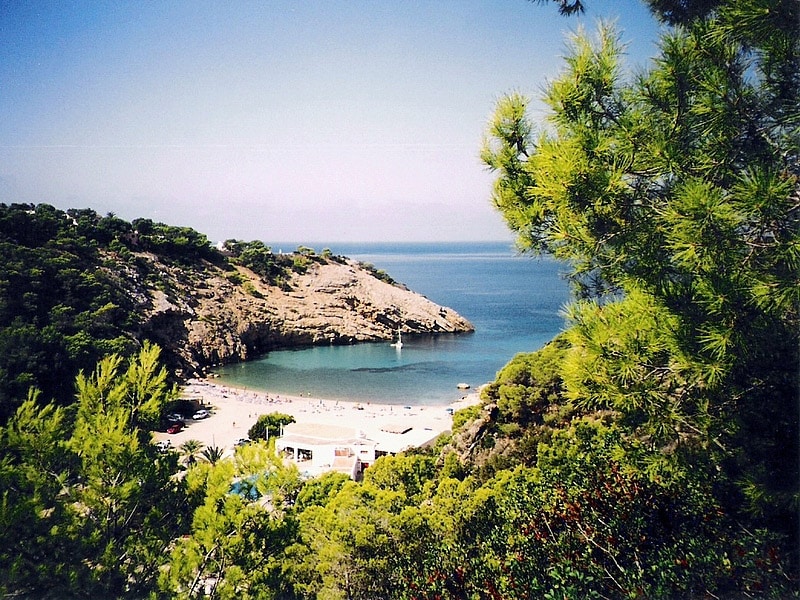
(234,410)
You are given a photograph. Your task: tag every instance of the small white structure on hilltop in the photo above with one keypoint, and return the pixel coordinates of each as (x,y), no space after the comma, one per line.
(223,249)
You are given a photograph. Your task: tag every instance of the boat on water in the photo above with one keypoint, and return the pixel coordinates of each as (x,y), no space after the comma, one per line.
(399,343)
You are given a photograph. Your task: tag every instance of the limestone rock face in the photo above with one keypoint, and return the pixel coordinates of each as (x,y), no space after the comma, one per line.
(214,315)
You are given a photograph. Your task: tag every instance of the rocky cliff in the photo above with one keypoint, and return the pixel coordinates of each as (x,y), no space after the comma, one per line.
(213,314)
(76,286)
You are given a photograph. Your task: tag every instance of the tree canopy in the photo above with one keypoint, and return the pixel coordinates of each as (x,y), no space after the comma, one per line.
(674,194)
(650,451)
(87,504)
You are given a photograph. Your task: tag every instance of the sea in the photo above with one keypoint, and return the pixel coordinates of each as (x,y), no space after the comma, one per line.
(514,301)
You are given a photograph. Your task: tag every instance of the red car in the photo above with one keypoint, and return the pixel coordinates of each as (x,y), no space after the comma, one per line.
(175,428)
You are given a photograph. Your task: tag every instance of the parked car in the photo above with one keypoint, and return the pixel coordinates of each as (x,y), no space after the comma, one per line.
(175,427)
(201,414)
(242,442)
(174,417)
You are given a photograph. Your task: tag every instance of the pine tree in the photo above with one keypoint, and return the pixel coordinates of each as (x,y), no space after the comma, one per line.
(675,196)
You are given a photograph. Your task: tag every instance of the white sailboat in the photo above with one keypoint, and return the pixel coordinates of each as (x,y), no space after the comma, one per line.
(399,343)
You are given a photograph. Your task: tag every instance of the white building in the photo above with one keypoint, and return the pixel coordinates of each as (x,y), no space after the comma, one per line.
(320,448)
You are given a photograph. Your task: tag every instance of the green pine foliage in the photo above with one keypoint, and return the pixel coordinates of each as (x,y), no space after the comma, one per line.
(674,195)
(239,528)
(269,426)
(59,309)
(87,505)
(72,285)
(651,451)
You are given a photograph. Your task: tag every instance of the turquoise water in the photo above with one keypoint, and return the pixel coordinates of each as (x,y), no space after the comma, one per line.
(514,302)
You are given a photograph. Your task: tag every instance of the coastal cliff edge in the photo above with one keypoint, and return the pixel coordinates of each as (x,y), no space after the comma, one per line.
(214,316)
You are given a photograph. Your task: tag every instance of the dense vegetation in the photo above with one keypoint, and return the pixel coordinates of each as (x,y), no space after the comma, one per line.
(675,195)
(90,508)
(649,452)
(72,284)
(60,310)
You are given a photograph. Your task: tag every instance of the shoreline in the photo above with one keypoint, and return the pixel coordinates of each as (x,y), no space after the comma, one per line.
(235,409)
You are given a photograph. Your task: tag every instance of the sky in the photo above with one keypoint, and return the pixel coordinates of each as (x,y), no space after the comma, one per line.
(278,120)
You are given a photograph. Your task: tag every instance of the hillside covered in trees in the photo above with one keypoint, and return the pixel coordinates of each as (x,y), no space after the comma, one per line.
(651,451)
(76,286)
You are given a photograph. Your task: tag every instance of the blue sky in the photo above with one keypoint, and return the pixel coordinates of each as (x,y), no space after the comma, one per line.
(334,120)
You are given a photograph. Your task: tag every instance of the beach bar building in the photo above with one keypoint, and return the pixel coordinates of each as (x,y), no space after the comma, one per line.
(317,448)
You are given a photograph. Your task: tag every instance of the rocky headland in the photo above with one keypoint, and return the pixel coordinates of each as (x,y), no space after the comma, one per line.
(214,315)
(76,286)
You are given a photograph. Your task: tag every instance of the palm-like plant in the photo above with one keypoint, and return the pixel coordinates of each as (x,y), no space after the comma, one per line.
(212,454)
(189,451)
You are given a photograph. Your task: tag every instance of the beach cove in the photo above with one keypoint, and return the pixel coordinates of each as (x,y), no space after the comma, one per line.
(514,302)
(234,410)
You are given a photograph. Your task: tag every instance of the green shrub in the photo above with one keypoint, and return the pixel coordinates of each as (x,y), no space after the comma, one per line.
(269,426)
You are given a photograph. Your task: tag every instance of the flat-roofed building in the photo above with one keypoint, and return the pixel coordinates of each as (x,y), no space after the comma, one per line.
(318,448)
